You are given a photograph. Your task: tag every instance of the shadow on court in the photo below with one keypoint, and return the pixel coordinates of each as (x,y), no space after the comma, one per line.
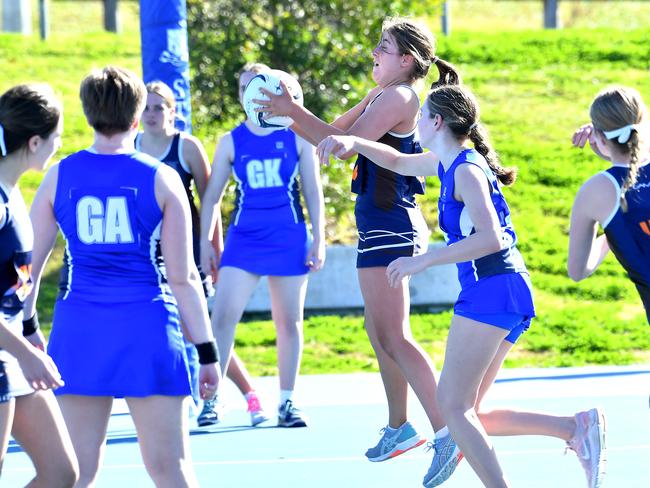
(346,413)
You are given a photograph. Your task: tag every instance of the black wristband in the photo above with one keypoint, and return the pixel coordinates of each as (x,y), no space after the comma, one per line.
(208,353)
(30,325)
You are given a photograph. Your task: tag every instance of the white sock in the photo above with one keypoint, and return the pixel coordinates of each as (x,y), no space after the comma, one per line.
(285,395)
(444,432)
(389,429)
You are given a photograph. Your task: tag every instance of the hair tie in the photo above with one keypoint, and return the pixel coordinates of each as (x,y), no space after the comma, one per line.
(623,133)
(435,59)
(3,148)
(473,126)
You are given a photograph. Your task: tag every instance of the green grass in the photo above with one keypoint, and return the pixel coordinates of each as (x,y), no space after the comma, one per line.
(534,87)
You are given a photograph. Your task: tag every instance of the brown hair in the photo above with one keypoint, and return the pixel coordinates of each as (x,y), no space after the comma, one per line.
(414,39)
(616,107)
(27,111)
(459,109)
(163,91)
(113,99)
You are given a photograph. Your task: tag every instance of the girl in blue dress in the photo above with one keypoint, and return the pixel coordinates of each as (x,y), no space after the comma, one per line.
(495,305)
(31,124)
(128,278)
(268,236)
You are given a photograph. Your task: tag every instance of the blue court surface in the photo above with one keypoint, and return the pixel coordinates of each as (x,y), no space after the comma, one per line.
(346,412)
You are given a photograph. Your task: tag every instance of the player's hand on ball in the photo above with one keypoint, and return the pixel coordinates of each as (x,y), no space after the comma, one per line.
(276,105)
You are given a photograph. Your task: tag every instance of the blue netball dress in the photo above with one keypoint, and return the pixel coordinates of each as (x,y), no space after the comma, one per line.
(116,329)
(628,233)
(389,221)
(16,241)
(499,282)
(267,233)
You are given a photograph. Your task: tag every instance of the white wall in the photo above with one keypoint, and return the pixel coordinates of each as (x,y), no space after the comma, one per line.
(336,285)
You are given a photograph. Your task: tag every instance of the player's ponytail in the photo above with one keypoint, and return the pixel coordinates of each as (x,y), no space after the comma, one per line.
(619,113)
(447,74)
(460,111)
(479,137)
(633,147)
(26,111)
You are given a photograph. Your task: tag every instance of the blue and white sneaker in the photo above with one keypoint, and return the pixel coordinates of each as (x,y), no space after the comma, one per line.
(211,414)
(588,442)
(395,442)
(290,416)
(446,457)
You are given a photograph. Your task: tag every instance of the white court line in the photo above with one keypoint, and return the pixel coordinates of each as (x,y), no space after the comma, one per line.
(348,459)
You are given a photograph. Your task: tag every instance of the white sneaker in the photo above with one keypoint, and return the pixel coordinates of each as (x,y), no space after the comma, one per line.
(588,442)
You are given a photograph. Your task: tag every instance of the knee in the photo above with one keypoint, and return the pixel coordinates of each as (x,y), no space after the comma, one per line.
(451,401)
(61,473)
(391,343)
(289,328)
(162,471)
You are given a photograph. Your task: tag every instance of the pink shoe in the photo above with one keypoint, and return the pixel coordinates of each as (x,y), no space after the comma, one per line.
(255,409)
(588,442)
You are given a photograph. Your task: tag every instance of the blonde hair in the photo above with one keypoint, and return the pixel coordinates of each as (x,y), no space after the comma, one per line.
(113,99)
(163,91)
(616,107)
(253,68)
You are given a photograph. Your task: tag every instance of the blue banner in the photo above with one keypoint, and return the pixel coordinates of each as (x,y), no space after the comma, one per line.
(165,57)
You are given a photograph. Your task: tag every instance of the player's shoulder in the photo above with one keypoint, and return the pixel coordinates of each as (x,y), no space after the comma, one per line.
(401,93)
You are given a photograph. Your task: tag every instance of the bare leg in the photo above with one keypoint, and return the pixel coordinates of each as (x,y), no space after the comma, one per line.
(40,430)
(87,420)
(388,309)
(163,434)
(471,349)
(6,419)
(513,422)
(239,375)
(233,291)
(287,303)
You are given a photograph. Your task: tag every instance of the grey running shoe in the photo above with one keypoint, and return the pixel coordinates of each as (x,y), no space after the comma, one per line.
(394,443)
(446,457)
(290,416)
(588,442)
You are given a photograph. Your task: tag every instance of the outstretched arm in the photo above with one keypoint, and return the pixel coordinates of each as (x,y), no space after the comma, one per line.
(396,106)
(423,164)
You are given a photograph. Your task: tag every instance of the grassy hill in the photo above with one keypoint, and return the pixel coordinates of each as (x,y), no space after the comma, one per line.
(534,87)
